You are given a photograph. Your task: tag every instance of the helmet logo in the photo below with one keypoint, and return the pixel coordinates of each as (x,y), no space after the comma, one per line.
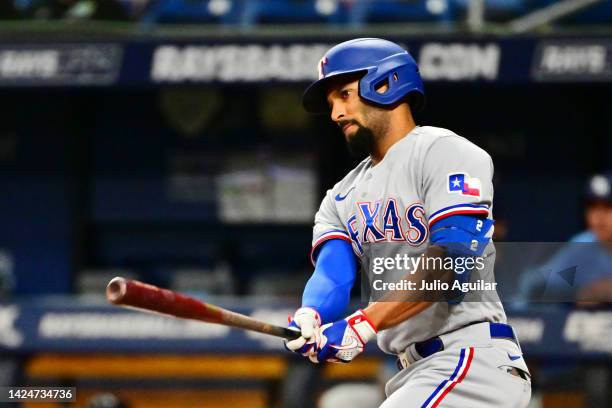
(321,63)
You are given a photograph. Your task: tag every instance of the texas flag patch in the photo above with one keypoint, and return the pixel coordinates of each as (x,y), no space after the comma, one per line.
(462,183)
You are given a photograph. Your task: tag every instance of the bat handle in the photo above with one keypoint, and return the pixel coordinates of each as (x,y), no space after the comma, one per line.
(290,334)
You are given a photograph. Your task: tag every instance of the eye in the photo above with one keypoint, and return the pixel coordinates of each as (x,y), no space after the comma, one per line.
(345,93)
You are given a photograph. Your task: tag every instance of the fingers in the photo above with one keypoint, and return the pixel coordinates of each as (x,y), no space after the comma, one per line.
(319,344)
(338,342)
(303,346)
(307,319)
(295,345)
(308,326)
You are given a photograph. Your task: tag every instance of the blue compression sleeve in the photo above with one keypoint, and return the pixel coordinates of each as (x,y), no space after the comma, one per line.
(462,235)
(329,288)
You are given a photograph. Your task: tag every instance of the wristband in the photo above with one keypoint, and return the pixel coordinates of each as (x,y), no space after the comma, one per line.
(362,326)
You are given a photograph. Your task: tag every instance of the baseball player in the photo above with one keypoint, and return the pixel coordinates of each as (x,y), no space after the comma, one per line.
(421,191)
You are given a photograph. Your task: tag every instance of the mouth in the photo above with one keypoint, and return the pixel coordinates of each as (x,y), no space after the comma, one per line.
(347,127)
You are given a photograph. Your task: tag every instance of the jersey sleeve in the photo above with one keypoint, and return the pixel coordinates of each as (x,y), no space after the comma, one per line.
(456,180)
(328,225)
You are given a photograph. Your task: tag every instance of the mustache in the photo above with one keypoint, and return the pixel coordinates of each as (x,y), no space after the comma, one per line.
(343,123)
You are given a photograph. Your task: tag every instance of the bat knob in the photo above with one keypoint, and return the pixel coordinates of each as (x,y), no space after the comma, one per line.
(116,289)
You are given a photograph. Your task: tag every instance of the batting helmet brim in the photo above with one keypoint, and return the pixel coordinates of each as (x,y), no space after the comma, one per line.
(314,99)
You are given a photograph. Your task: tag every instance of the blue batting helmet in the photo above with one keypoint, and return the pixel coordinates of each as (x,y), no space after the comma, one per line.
(380,61)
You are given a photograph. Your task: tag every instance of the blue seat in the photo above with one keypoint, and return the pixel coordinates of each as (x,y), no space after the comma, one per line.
(501,10)
(381,11)
(194,11)
(293,11)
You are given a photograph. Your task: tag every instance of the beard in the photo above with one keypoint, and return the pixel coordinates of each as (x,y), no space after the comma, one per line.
(362,143)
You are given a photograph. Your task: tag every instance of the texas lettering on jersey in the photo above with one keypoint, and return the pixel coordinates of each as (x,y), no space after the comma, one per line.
(386,222)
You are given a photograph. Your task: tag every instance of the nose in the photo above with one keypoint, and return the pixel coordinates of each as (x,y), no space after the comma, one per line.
(337,111)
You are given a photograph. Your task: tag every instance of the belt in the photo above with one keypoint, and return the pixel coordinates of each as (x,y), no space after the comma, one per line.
(431,346)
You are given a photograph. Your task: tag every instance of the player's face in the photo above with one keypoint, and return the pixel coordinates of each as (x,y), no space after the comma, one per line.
(361,124)
(599,220)
(346,106)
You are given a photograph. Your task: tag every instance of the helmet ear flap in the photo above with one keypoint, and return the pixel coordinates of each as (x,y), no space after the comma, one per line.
(415,99)
(393,80)
(389,86)
(382,86)
(388,83)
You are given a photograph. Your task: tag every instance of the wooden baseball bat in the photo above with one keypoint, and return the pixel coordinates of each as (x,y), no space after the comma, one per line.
(142,296)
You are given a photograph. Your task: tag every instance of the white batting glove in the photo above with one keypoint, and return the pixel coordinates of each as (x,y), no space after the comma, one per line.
(307,321)
(342,341)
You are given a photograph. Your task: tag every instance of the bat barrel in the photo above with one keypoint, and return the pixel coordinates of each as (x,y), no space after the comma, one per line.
(135,294)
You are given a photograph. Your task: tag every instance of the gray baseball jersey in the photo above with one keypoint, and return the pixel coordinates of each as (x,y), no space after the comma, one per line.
(386,209)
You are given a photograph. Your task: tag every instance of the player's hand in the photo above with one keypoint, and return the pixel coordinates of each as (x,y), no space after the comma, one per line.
(307,321)
(342,341)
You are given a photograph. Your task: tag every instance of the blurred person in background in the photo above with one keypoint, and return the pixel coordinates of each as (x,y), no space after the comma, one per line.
(598,218)
(598,210)
(581,271)
(110,10)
